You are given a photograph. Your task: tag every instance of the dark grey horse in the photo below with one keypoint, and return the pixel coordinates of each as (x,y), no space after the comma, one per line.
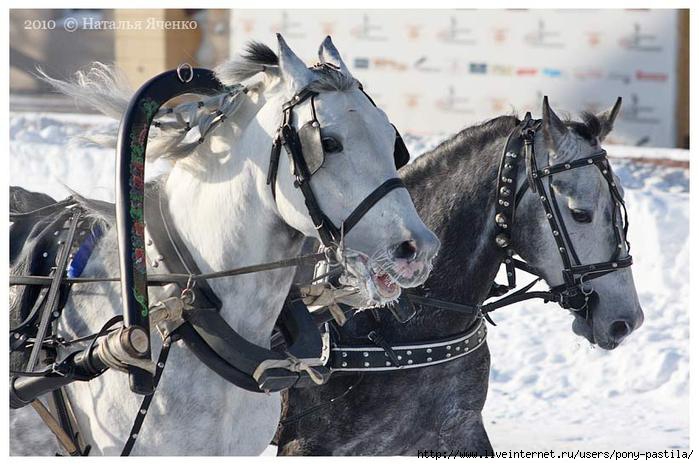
(453,187)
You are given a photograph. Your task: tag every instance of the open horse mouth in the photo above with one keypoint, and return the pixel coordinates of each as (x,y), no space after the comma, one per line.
(375,287)
(378,283)
(386,286)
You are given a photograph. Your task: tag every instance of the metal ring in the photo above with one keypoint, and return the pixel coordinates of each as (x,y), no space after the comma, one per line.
(188,296)
(586,292)
(582,283)
(179,72)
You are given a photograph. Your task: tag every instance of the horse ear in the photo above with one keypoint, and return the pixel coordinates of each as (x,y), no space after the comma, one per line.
(294,71)
(554,129)
(327,50)
(607,119)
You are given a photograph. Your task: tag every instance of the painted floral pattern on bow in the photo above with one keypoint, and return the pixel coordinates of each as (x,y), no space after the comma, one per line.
(139,138)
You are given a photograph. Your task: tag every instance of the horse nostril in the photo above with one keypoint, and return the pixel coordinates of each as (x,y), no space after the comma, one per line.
(406,250)
(619,330)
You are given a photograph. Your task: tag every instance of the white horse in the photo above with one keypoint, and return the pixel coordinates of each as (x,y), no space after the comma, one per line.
(226,214)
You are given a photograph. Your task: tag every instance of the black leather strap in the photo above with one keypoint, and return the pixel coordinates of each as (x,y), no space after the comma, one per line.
(289,138)
(574,273)
(376,358)
(328,232)
(371,200)
(174,252)
(145,404)
(274,155)
(236,360)
(560,167)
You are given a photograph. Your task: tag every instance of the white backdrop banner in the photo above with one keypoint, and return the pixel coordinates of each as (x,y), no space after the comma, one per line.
(437,71)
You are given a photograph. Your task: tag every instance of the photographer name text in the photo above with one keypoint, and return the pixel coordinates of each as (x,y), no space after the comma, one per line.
(94,24)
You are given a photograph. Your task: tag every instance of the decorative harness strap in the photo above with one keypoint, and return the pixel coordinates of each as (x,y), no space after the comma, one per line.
(572,294)
(381,356)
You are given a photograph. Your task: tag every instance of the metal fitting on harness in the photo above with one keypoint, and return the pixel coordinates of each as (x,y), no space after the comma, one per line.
(125,347)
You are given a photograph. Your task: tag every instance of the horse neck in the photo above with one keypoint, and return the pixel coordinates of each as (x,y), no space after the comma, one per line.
(227,218)
(460,209)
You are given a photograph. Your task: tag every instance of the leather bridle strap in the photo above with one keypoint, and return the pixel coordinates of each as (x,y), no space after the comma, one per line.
(371,200)
(572,265)
(328,232)
(520,144)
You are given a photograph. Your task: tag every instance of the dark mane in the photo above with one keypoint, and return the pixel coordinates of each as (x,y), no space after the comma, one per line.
(468,142)
(589,128)
(256,57)
(481,133)
(471,139)
(257,52)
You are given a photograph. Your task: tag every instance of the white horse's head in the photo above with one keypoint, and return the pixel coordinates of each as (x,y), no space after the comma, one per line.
(592,226)
(353,154)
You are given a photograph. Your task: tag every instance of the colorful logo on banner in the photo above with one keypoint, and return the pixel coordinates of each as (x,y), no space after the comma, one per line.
(426,67)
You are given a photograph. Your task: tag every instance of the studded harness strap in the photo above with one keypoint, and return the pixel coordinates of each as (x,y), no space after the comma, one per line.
(382,356)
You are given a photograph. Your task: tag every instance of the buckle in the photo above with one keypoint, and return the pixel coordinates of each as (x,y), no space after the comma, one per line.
(403,311)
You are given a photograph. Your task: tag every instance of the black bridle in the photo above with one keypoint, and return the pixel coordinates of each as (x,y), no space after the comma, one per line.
(305,149)
(572,293)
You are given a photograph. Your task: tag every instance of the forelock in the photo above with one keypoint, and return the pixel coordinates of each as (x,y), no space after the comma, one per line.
(257,57)
(589,128)
(330,79)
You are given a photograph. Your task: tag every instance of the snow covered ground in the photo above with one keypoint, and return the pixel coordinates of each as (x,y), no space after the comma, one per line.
(549,389)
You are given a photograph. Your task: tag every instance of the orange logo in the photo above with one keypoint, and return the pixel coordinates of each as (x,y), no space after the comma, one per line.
(500,35)
(248,25)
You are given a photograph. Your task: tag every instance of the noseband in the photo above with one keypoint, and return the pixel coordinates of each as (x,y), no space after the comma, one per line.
(572,293)
(308,138)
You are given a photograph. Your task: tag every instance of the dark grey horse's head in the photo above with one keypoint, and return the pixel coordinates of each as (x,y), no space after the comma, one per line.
(587,211)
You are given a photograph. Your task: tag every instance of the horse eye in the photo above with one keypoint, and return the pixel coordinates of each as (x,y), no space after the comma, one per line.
(331,145)
(581,216)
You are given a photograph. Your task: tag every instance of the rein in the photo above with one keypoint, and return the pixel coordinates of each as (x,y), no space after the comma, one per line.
(159,280)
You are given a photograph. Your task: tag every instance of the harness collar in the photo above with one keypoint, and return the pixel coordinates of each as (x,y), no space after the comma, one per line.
(216,344)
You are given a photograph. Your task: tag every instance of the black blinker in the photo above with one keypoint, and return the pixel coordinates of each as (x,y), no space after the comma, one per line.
(401,156)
